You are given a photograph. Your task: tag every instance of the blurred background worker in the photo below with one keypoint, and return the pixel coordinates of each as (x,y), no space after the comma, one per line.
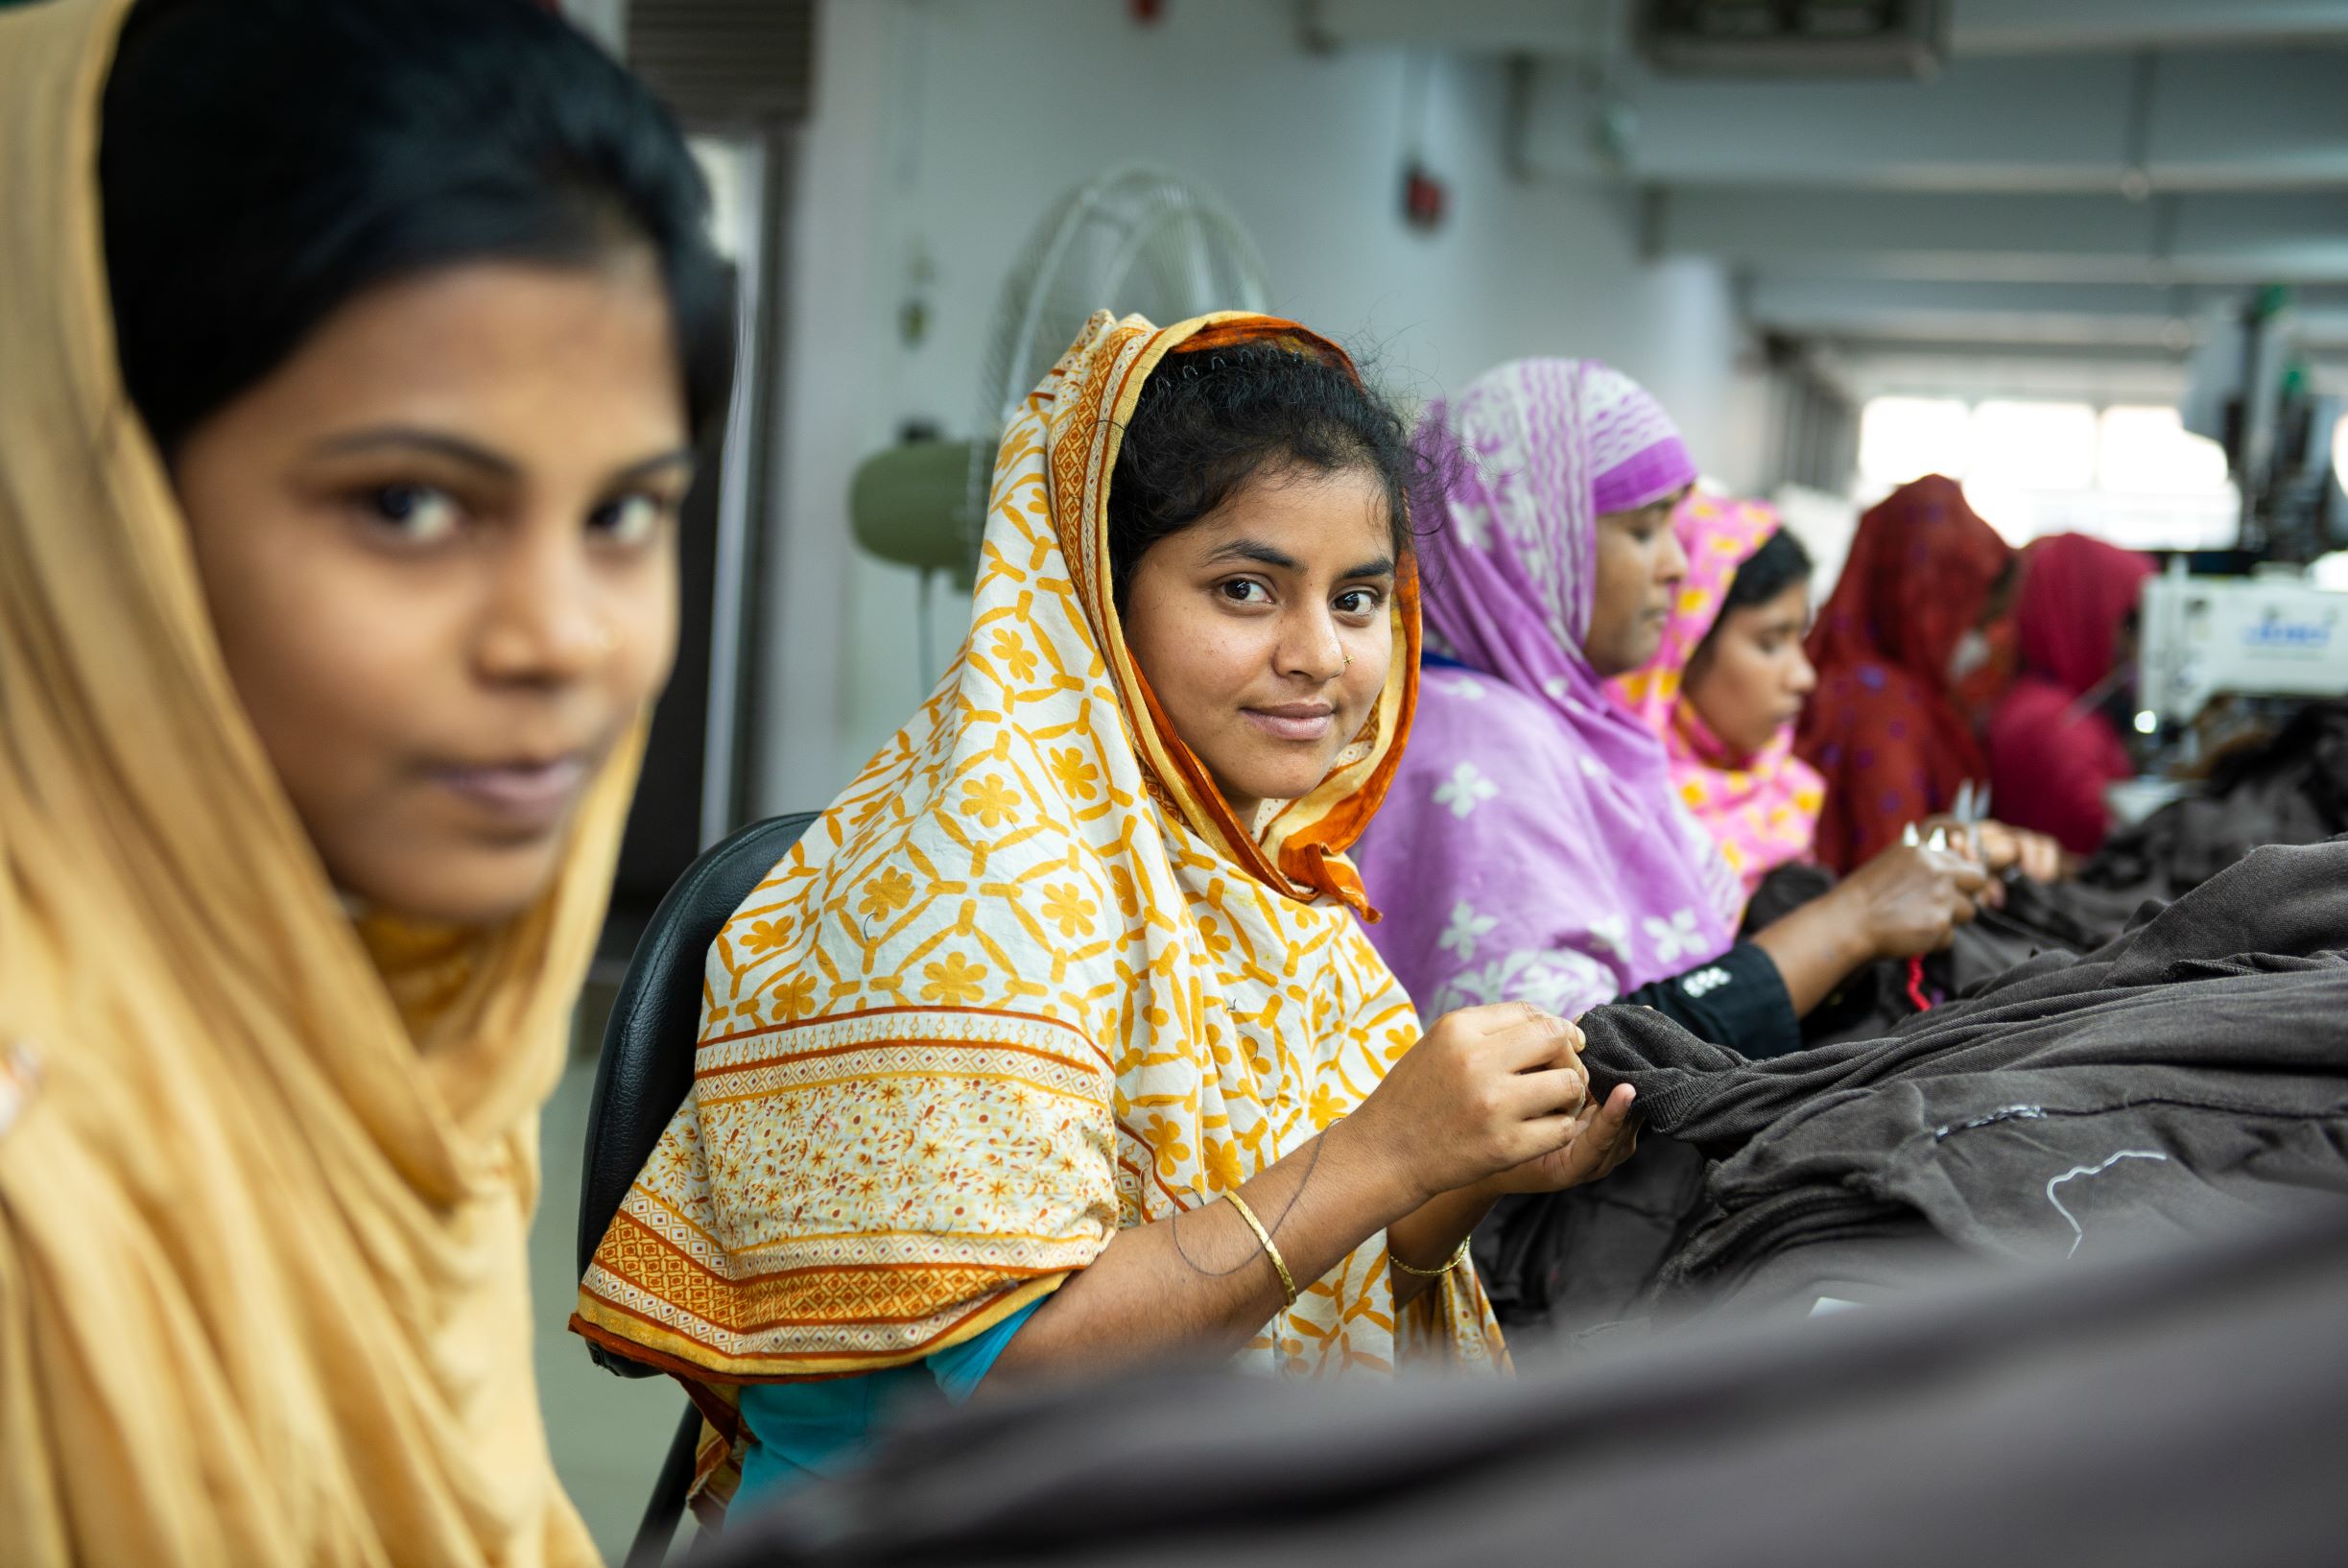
(2058,739)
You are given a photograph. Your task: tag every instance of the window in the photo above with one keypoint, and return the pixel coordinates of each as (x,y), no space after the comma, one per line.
(2148,451)
(2129,473)
(1901,439)
(2035,446)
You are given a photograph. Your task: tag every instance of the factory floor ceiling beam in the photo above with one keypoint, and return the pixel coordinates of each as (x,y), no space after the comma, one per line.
(2219,120)
(2213,238)
(1556,28)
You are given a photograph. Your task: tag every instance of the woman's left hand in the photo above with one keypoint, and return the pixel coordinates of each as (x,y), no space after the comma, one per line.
(1603,1137)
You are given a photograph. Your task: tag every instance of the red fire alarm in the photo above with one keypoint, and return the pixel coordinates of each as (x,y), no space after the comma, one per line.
(1145,12)
(1424,197)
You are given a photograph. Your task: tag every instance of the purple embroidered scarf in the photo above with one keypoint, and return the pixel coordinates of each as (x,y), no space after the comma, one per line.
(1531,846)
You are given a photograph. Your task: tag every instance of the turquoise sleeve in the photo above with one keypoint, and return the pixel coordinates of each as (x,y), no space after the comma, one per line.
(959,1368)
(822,1427)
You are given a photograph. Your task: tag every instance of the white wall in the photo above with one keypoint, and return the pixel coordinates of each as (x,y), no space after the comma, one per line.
(944,129)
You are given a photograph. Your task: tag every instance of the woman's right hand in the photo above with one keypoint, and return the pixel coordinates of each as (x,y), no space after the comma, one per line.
(1482,1091)
(1911,900)
(2003,848)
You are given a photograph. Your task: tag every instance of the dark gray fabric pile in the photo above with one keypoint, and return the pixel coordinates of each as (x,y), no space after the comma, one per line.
(2165,1412)
(2189,1074)
(2289,789)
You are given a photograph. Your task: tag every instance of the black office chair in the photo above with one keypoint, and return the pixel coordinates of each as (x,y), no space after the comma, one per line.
(645,1068)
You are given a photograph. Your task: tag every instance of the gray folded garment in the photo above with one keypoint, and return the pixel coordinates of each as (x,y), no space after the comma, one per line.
(2190,1072)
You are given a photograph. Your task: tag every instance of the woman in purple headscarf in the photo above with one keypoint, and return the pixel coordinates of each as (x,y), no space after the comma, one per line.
(1531,846)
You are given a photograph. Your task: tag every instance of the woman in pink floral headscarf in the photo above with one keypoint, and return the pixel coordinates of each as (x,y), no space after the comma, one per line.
(1726,687)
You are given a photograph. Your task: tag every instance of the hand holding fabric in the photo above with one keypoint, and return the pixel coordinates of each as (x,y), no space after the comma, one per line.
(1604,1135)
(1909,899)
(2003,848)
(1485,1090)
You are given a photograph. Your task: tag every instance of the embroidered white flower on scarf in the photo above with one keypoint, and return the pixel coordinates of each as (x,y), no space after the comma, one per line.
(1466,929)
(1555,980)
(1672,937)
(1466,790)
(1467,688)
(1610,934)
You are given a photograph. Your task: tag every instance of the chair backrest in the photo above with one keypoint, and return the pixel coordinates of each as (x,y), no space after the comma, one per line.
(647,1065)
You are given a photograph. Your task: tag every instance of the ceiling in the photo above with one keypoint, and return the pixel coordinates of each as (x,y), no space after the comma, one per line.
(2061,207)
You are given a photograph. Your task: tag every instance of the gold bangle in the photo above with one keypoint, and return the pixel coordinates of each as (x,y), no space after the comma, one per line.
(1288,1286)
(1457,1257)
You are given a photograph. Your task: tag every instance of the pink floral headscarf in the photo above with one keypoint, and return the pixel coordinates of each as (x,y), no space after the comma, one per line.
(1762,810)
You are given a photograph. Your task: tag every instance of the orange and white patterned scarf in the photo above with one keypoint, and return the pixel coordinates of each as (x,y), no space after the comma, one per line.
(1025,984)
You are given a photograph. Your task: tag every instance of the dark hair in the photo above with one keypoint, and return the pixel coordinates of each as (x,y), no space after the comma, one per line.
(1777,566)
(1209,421)
(263,161)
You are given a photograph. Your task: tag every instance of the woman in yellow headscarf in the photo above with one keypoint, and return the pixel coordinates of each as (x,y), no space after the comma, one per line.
(353,353)
(1055,1043)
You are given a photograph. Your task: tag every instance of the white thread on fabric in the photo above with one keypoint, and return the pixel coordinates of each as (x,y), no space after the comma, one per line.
(2078,1235)
(2004,1113)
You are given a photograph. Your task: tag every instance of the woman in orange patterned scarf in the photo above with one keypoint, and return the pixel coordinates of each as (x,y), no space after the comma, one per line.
(1056,1045)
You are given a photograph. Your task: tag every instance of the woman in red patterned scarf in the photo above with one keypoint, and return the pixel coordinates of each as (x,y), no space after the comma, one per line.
(1885,726)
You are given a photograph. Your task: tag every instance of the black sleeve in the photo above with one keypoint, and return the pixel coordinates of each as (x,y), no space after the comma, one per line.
(1736,1000)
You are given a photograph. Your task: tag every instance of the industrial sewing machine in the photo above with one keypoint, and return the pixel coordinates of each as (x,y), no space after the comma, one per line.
(2267,635)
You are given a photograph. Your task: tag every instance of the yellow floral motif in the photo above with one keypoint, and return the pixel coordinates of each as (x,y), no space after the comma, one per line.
(1077,778)
(991,800)
(1066,906)
(796,998)
(1323,1107)
(886,894)
(766,935)
(1217,944)
(1165,1136)
(1222,1167)
(955,982)
(1015,656)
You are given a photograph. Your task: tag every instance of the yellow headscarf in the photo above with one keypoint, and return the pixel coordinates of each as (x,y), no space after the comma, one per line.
(1026,983)
(262,1288)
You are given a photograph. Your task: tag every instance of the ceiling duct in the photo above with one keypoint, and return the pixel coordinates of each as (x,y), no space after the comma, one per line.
(1794,37)
(719,63)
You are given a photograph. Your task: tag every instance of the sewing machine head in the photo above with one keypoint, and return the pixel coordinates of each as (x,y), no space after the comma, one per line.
(2266,635)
